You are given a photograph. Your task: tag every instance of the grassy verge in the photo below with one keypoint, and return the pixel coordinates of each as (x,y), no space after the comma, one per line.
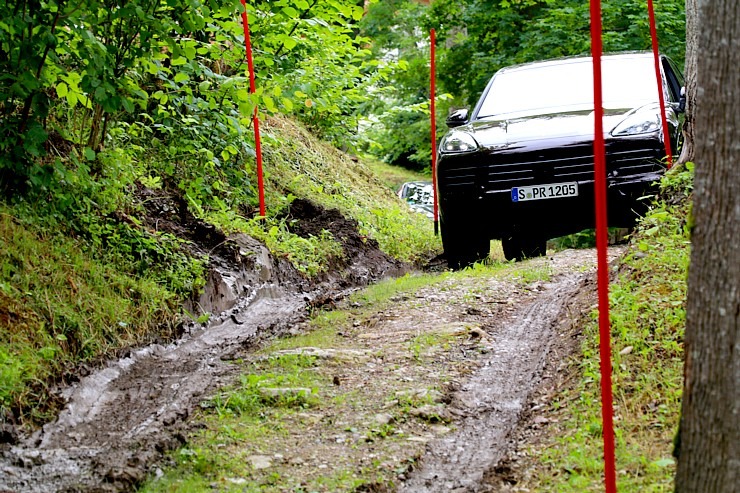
(648,318)
(61,305)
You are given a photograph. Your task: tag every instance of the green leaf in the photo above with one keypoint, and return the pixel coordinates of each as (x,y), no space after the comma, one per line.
(289,43)
(287,104)
(357,13)
(181,77)
(62,89)
(290,12)
(127,105)
(89,154)
(269,103)
(189,51)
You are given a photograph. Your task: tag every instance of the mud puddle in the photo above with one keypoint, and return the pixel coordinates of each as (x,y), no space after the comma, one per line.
(120,419)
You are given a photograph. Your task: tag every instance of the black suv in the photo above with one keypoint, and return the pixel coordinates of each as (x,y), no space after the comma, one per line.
(520,167)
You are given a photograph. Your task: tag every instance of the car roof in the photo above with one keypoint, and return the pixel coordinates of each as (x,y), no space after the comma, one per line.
(573,59)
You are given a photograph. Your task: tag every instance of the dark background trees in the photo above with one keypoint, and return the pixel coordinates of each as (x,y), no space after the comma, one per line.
(709,459)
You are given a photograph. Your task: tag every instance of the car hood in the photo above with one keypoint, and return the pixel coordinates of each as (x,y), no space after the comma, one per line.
(575,126)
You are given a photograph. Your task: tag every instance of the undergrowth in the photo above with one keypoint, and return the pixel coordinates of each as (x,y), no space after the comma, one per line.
(64,302)
(647,325)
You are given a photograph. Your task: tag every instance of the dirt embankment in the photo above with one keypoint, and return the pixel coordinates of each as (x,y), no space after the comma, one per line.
(119,420)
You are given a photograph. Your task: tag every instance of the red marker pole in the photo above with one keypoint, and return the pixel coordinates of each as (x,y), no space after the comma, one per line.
(433,111)
(661,98)
(257,140)
(607,406)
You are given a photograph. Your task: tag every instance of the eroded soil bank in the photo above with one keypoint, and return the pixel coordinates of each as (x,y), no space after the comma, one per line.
(121,418)
(422,416)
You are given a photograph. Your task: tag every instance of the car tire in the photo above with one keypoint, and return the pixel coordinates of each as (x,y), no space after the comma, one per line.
(523,247)
(463,246)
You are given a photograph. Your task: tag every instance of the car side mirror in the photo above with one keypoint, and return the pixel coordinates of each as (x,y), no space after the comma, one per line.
(682,100)
(457,118)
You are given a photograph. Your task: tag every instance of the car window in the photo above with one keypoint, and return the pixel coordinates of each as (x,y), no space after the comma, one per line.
(550,88)
(674,84)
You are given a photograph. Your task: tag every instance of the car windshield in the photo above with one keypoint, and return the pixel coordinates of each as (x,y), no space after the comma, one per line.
(628,82)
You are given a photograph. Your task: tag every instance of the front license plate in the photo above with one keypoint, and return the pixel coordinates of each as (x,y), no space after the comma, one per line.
(538,192)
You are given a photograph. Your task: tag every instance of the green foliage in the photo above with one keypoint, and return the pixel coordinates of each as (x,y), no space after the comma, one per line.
(62,304)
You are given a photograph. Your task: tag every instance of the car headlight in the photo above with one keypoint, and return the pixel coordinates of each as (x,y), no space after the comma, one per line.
(457,142)
(638,123)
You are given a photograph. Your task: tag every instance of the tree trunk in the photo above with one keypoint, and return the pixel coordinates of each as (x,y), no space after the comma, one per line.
(709,459)
(692,33)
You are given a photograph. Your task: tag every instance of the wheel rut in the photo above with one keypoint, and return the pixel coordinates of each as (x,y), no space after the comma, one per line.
(490,402)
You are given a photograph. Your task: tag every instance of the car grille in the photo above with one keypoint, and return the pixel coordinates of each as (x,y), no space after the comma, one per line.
(501,171)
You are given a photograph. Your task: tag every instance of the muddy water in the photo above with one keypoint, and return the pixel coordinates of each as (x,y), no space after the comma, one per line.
(119,420)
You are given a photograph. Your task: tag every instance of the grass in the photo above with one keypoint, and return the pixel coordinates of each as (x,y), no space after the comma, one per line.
(647,323)
(394,176)
(303,167)
(61,305)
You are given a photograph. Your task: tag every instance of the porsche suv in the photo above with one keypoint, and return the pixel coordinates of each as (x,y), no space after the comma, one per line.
(520,166)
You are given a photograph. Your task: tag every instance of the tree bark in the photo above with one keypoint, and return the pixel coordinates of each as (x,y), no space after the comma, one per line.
(692,33)
(709,459)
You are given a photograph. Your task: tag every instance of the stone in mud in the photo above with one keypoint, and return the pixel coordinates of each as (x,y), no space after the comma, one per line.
(383,418)
(432,413)
(260,461)
(421,394)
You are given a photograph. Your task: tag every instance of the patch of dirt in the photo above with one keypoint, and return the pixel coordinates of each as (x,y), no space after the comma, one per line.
(308,219)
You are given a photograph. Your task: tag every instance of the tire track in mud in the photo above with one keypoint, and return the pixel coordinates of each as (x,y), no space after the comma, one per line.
(489,405)
(121,418)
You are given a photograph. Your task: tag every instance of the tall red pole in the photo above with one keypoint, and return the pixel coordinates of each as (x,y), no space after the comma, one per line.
(607,406)
(661,98)
(433,111)
(257,140)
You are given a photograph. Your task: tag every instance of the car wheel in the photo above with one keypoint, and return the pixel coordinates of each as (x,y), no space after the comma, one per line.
(463,246)
(521,247)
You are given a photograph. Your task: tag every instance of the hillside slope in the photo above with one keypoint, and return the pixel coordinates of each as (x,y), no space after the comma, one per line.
(105,265)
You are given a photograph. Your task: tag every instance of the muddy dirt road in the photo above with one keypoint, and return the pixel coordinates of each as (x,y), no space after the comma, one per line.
(119,420)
